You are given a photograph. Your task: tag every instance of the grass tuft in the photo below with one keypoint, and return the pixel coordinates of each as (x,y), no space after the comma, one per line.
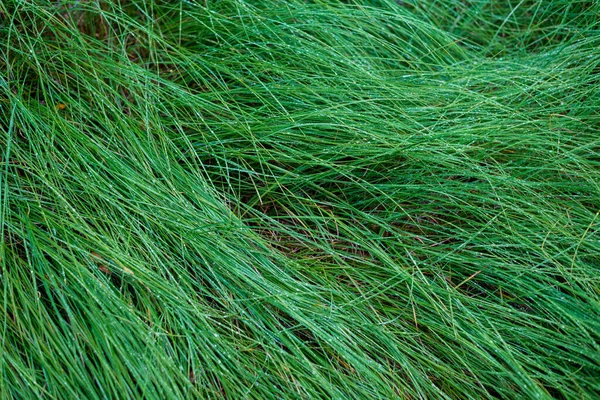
(301,199)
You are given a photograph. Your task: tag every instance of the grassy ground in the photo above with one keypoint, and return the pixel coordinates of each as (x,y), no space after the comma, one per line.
(300,199)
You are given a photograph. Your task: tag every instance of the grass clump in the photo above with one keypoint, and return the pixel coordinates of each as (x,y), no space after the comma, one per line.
(309,199)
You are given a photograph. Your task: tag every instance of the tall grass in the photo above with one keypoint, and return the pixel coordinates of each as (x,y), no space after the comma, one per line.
(302,199)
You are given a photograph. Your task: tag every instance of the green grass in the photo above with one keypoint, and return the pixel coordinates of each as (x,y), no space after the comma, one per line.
(300,199)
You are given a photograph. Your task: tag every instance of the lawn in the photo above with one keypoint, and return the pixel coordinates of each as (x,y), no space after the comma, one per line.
(299,199)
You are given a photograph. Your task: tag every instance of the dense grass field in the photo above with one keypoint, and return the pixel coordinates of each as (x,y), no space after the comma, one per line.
(299,199)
